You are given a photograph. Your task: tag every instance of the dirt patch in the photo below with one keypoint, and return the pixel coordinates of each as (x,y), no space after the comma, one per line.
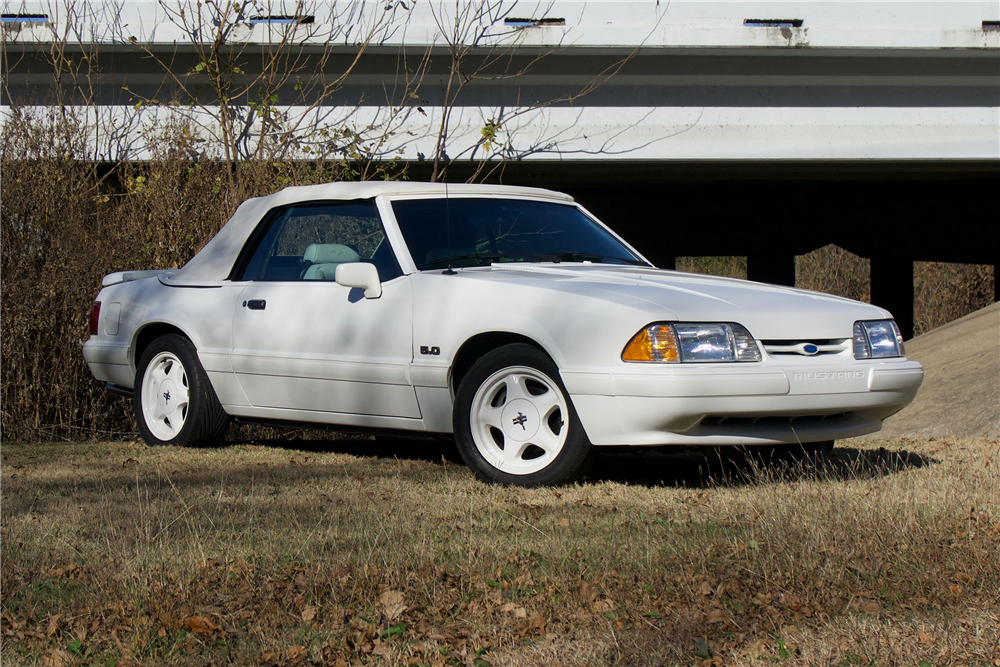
(960,395)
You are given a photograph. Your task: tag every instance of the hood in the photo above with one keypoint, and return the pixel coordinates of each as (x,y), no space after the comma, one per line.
(767,311)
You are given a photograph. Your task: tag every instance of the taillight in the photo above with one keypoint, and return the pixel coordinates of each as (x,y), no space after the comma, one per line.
(95,317)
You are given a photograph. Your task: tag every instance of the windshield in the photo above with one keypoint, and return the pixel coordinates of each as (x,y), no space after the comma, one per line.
(473,232)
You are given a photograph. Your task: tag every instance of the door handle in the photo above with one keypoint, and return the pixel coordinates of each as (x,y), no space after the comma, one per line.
(256,304)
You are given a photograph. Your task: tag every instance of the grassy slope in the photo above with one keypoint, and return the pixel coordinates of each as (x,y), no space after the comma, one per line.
(114,553)
(960,395)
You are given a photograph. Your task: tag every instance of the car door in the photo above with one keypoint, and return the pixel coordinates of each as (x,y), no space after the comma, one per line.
(302,342)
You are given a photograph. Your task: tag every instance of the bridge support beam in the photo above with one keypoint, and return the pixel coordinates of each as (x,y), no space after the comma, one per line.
(892,289)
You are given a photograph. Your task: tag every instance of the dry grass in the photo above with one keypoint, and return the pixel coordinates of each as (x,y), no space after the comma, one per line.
(312,553)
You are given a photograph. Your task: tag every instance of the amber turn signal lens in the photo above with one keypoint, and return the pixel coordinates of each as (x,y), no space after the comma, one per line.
(657,342)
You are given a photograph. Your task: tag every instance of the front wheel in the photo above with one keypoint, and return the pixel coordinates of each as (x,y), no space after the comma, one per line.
(173,399)
(514,422)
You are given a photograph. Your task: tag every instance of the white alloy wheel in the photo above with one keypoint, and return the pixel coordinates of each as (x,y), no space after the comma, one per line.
(165,396)
(518,420)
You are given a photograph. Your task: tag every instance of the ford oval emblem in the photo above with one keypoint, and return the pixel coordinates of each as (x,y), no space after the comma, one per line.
(810,349)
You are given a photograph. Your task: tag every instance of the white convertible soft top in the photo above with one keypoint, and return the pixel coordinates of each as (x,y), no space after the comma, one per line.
(215,261)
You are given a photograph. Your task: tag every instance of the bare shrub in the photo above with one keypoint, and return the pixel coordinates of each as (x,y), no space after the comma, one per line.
(943,292)
(67,221)
(731,267)
(58,239)
(833,270)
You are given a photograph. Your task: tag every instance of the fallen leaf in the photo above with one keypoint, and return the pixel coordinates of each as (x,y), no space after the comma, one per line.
(297,654)
(925,638)
(393,603)
(56,657)
(564,523)
(520,612)
(537,623)
(602,606)
(309,613)
(716,616)
(384,650)
(200,625)
(390,598)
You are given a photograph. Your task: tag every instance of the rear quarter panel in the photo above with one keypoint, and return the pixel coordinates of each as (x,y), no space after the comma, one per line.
(203,314)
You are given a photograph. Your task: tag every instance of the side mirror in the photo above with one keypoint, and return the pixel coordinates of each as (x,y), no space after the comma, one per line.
(361,275)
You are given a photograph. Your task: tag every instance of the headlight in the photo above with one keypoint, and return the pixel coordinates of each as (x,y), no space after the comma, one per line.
(691,342)
(877,339)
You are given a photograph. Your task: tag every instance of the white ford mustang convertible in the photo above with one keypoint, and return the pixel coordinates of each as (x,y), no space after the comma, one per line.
(507,317)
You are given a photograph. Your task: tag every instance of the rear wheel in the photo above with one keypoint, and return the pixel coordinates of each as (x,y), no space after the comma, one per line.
(514,422)
(173,399)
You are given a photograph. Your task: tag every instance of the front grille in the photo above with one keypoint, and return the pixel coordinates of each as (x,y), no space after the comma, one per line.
(807,348)
(724,420)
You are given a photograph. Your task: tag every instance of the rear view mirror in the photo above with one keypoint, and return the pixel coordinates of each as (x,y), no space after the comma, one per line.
(361,275)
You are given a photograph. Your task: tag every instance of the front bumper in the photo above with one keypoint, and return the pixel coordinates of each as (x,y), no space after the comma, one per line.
(740,404)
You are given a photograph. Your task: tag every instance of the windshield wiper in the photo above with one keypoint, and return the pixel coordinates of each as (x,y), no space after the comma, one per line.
(582,257)
(492,256)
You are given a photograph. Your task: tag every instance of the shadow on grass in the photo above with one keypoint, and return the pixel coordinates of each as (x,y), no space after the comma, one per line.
(692,468)
(383,447)
(645,467)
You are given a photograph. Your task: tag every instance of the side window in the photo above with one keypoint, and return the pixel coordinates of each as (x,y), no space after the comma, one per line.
(309,242)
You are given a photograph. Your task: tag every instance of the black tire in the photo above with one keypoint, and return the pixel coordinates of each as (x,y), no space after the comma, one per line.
(194,420)
(521,381)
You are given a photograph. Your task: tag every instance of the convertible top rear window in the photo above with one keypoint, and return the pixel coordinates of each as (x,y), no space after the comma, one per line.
(444,232)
